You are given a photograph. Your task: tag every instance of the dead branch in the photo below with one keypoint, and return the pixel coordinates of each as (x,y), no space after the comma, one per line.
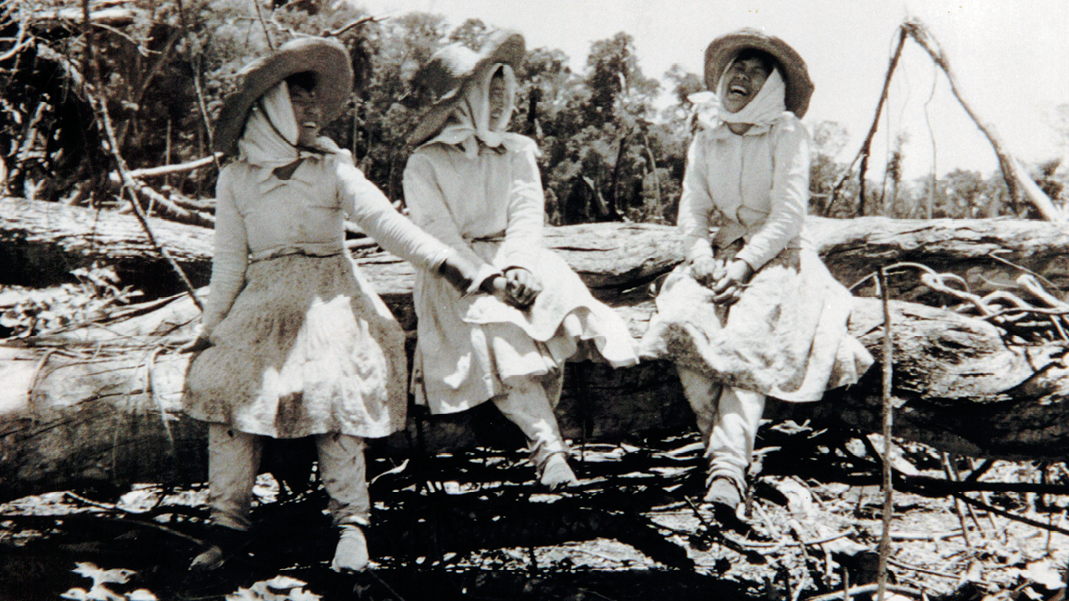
(169,209)
(1011,168)
(1009,515)
(357,23)
(172,169)
(887,362)
(866,146)
(868,588)
(128,182)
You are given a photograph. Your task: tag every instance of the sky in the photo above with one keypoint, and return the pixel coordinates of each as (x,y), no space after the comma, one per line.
(1010,58)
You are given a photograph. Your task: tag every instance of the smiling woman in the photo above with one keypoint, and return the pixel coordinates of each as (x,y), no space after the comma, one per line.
(306,109)
(753,312)
(295,342)
(744,78)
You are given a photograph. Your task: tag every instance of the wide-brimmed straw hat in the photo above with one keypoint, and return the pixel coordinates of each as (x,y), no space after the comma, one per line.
(450,69)
(724,49)
(327,58)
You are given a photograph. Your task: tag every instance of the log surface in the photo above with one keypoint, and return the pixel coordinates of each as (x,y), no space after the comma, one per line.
(102,403)
(40,242)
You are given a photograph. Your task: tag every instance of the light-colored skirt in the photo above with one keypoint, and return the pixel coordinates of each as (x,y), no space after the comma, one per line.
(307,348)
(470,347)
(785,337)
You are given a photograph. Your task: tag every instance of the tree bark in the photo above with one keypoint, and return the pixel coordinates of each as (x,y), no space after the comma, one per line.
(101,404)
(40,242)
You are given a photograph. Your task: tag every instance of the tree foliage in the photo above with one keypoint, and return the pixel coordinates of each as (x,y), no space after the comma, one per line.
(611,148)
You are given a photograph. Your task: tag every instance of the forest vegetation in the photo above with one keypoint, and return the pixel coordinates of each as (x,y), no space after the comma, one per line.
(613,138)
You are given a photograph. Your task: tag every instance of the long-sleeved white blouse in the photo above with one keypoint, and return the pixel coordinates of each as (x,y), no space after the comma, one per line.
(257,218)
(758,181)
(507,200)
(490,209)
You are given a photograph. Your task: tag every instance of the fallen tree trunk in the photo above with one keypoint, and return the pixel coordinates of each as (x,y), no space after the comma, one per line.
(41,242)
(102,404)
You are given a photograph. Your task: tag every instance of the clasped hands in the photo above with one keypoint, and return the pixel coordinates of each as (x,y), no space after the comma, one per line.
(726,280)
(517,287)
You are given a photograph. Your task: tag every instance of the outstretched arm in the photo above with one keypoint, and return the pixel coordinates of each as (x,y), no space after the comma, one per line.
(230,259)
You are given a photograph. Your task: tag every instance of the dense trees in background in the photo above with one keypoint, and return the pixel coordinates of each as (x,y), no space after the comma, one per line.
(613,139)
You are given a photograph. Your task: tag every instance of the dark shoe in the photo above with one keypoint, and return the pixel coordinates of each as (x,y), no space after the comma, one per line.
(220,544)
(725,499)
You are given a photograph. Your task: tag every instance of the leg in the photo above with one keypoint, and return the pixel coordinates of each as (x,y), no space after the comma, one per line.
(233,460)
(527,405)
(703,394)
(344,474)
(731,443)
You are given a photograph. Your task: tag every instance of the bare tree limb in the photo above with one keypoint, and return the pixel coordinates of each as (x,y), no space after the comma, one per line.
(1017,181)
(866,146)
(176,168)
(129,183)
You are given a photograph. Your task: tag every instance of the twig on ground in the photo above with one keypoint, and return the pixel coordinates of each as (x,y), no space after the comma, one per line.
(922,570)
(384,584)
(1009,515)
(865,589)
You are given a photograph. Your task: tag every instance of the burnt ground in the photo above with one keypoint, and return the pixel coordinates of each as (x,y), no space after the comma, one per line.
(474,525)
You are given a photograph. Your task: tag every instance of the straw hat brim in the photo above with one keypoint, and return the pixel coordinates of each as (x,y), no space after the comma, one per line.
(724,49)
(327,58)
(507,47)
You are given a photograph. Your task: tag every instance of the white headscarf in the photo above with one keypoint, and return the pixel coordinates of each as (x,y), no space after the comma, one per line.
(470,122)
(270,137)
(763,110)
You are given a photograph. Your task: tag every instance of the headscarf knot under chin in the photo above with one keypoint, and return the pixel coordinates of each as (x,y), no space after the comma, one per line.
(763,110)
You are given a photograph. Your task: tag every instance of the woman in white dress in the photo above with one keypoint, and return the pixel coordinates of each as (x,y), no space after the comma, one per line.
(752,312)
(476,187)
(294,340)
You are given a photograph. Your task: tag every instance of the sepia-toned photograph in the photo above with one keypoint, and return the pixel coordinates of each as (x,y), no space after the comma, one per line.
(557,300)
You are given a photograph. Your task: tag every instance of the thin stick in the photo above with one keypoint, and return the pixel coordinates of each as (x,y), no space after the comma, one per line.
(171,169)
(952,476)
(260,16)
(976,472)
(866,147)
(868,588)
(194,60)
(846,584)
(131,185)
(888,409)
(913,568)
(383,583)
(1008,515)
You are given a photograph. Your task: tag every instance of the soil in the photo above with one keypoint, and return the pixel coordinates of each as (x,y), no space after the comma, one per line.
(475,525)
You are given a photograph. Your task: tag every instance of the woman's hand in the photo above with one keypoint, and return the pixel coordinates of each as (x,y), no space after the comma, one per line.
(707,270)
(729,286)
(522,287)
